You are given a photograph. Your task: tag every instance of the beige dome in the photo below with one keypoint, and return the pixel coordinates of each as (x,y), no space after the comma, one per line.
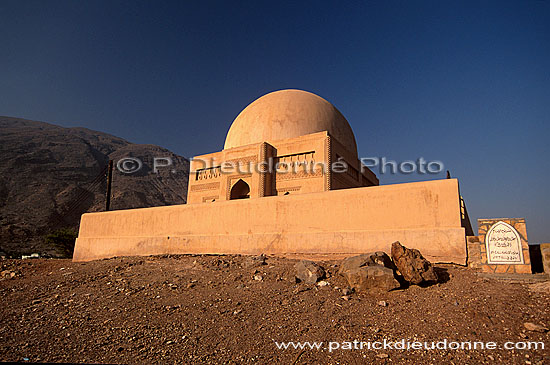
(288,114)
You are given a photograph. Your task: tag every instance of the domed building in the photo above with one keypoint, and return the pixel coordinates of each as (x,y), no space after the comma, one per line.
(285,142)
(297,152)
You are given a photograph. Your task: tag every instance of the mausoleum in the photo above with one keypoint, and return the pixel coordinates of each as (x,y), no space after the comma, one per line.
(283,143)
(287,182)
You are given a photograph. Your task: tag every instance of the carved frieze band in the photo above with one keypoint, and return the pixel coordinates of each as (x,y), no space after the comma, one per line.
(232,179)
(243,160)
(293,188)
(203,187)
(299,175)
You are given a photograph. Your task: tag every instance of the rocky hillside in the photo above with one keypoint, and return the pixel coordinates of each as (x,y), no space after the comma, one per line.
(50,175)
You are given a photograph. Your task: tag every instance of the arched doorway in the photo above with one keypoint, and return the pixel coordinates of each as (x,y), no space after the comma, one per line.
(240,190)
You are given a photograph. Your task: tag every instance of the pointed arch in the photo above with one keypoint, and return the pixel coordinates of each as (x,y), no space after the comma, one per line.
(240,190)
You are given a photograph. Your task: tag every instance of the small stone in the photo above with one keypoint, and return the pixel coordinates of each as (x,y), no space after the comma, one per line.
(190,285)
(7,274)
(258,277)
(491,358)
(382,356)
(300,290)
(383,303)
(346,297)
(36,301)
(455,303)
(254,261)
(535,327)
(323,283)
(238,311)
(346,291)
(309,272)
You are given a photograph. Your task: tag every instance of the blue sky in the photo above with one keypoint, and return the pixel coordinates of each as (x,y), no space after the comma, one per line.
(466,83)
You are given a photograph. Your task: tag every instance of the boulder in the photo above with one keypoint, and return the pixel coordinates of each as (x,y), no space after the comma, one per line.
(369,259)
(372,271)
(412,265)
(368,278)
(309,272)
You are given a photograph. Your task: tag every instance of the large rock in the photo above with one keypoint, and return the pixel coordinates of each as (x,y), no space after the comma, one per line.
(372,271)
(368,278)
(412,265)
(309,272)
(369,259)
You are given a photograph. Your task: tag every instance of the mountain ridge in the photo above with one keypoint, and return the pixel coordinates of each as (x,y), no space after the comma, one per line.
(50,175)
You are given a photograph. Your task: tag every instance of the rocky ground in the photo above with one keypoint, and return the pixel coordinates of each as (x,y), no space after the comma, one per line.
(226,309)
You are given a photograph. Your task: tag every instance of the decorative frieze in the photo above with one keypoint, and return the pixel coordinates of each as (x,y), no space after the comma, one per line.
(203,187)
(288,189)
(242,160)
(299,175)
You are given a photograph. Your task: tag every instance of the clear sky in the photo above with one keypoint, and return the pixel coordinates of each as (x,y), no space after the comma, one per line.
(466,83)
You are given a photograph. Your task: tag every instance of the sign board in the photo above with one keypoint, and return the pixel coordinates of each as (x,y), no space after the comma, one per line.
(503,244)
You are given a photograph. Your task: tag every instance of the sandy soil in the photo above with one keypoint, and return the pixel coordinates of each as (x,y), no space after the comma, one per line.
(213,309)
